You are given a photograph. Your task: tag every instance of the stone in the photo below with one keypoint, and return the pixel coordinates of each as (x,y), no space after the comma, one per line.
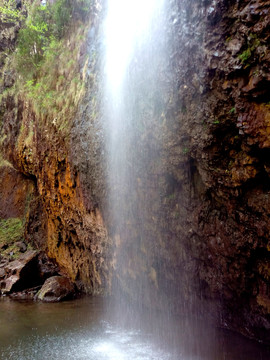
(7,284)
(235,45)
(22,246)
(3,263)
(21,273)
(47,267)
(56,288)
(2,273)
(28,294)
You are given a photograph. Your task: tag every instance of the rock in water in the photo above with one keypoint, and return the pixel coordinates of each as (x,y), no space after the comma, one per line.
(56,288)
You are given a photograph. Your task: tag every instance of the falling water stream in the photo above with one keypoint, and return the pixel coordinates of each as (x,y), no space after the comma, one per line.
(93,328)
(135,52)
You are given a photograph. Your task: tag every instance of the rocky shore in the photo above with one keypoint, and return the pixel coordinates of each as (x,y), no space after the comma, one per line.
(32,276)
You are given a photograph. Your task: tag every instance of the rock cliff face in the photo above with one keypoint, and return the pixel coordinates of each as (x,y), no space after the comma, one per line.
(223,102)
(200,230)
(231,163)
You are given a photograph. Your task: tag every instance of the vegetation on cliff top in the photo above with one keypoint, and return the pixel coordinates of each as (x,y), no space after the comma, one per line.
(45,59)
(45,27)
(9,12)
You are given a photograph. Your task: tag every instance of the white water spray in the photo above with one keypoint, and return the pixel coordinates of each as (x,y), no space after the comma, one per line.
(128,25)
(132,32)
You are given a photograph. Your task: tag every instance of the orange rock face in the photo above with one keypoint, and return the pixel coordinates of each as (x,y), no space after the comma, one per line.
(77,237)
(15,191)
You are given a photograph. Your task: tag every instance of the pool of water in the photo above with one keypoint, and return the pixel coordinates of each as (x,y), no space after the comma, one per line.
(81,329)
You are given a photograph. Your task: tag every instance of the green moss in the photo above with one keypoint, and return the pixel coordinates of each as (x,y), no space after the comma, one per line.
(245,55)
(11,230)
(252,43)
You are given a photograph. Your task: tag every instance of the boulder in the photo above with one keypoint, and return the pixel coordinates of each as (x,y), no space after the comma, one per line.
(9,283)
(56,288)
(21,273)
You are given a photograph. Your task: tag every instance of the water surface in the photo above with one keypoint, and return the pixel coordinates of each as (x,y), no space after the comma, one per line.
(81,329)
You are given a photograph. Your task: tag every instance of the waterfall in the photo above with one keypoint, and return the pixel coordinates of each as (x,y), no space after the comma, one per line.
(135,49)
(144,195)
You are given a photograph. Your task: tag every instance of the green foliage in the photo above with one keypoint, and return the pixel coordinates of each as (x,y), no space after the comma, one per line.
(61,13)
(30,50)
(252,43)
(245,55)
(44,60)
(8,11)
(48,75)
(80,8)
(11,230)
(44,28)
(33,40)
(232,110)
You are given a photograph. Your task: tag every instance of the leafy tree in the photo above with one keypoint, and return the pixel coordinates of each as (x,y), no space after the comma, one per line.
(45,25)
(32,40)
(8,11)
(61,12)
